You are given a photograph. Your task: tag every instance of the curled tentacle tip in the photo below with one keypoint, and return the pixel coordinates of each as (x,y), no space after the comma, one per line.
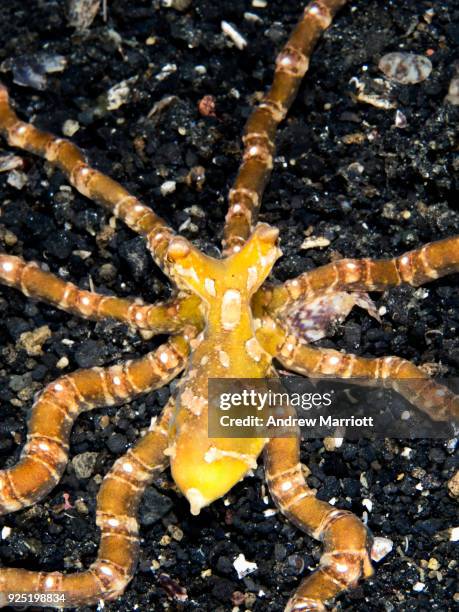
(178,249)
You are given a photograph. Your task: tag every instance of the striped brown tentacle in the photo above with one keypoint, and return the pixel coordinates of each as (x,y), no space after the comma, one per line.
(117,504)
(432,261)
(168,317)
(404,377)
(88,181)
(346,541)
(44,455)
(291,65)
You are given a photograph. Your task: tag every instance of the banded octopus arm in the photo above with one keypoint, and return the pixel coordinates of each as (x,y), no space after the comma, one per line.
(161,318)
(415,268)
(117,503)
(88,181)
(291,65)
(346,541)
(44,456)
(403,376)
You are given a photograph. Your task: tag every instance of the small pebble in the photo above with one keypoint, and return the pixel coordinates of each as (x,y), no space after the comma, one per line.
(454,535)
(81,507)
(207,106)
(381,547)
(17,179)
(62,363)
(237,598)
(32,341)
(400,120)
(10,162)
(418,587)
(107,272)
(117,443)
(70,127)
(332,444)
(175,532)
(166,71)
(9,238)
(453,90)
(153,507)
(18,382)
(81,13)
(252,17)
(118,95)
(453,485)
(84,463)
(168,187)
(405,68)
(433,564)
(82,254)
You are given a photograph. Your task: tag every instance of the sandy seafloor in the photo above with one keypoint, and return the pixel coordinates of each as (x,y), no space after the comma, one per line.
(342,168)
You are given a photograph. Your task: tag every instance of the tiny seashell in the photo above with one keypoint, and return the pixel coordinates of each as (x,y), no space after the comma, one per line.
(405,68)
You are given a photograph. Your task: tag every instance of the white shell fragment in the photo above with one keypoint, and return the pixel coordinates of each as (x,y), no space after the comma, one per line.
(243,567)
(381,547)
(118,94)
(368,504)
(231,32)
(10,162)
(405,68)
(6,532)
(314,242)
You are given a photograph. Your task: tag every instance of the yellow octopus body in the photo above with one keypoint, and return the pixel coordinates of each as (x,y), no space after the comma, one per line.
(206,468)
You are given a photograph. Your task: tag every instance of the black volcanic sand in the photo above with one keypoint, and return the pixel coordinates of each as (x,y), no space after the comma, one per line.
(386,191)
